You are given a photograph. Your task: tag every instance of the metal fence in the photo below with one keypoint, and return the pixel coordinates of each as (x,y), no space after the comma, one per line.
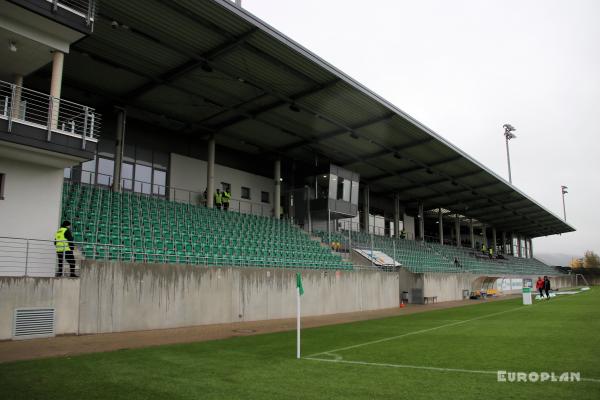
(38,258)
(171,193)
(19,105)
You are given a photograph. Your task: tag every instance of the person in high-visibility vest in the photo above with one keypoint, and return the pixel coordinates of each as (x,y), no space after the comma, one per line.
(491,251)
(218,199)
(63,242)
(225,198)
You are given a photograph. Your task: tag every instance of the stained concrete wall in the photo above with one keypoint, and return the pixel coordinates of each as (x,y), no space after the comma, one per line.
(24,292)
(122,297)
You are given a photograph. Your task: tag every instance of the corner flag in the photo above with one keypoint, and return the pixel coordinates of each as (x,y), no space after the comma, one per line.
(299,283)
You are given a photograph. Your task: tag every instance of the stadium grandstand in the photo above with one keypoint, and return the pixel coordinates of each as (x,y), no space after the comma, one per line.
(126,117)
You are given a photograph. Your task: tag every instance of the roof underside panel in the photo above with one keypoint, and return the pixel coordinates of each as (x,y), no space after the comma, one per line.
(213,67)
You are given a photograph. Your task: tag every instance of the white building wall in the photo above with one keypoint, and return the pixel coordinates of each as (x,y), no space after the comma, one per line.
(32,197)
(189,174)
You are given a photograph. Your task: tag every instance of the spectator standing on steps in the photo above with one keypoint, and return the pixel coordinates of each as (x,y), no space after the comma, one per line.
(63,242)
(226,197)
(218,199)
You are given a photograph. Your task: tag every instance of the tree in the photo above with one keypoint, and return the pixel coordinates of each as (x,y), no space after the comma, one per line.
(576,263)
(591,260)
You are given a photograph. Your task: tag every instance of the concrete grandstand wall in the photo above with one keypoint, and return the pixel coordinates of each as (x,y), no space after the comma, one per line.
(117,297)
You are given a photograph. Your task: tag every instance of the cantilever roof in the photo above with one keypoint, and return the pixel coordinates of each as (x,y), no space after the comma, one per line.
(208,67)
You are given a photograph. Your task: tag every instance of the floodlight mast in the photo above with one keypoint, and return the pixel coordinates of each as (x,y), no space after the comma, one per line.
(508,134)
(564,191)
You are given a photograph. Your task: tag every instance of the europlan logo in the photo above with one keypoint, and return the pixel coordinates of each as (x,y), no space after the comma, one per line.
(512,377)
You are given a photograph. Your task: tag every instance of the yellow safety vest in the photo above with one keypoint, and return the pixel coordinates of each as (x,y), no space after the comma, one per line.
(218,198)
(226,197)
(60,241)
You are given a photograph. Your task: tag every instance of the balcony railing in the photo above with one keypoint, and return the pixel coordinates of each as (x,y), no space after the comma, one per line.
(84,8)
(19,105)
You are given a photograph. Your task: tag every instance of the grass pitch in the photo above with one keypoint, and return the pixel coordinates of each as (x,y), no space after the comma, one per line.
(452,353)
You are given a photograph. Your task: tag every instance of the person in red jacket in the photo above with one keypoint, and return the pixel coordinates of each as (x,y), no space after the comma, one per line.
(539,285)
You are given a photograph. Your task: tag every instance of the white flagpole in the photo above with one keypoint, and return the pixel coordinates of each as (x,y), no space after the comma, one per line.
(297,322)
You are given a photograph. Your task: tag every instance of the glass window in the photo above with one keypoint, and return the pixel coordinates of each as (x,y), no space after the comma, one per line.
(106,147)
(105,171)
(333,180)
(143,156)
(67,173)
(354,197)
(245,193)
(88,170)
(161,160)
(143,179)
(264,197)
(159,183)
(345,189)
(127,176)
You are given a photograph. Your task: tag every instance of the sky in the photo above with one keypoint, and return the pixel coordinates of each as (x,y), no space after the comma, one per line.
(466,67)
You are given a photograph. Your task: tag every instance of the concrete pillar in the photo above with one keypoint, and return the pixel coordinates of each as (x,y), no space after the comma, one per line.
(397,215)
(441,225)
(119,149)
(519,246)
(58,59)
(366,207)
(526,246)
(494,240)
(277,199)
(16,101)
(421,222)
(457,230)
(504,243)
(472,233)
(210,173)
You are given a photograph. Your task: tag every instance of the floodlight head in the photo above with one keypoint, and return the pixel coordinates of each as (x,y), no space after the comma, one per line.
(564,189)
(509,128)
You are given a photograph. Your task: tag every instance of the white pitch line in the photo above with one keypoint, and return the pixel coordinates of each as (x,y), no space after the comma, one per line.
(440,369)
(417,332)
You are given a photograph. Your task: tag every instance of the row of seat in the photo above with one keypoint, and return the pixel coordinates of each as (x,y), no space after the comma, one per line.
(140,228)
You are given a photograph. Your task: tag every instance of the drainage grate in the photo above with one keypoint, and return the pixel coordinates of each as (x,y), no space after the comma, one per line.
(32,323)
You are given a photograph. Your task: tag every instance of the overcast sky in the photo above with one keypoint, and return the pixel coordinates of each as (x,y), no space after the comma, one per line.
(465,68)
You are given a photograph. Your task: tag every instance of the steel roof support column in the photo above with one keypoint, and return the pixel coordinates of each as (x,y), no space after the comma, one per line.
(472,233)
(277,195)
(441,223)
(494,240)
(519,253)
(119,148)
(210,173)
(530,248)
(397,215)
(503,250)
(485,236)
(366,208)
(526,246)
(457,230)
(421,222)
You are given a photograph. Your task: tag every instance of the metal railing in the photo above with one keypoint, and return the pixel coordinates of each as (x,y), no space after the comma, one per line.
(171,193)
(38,258)
(84,8)
(29,107)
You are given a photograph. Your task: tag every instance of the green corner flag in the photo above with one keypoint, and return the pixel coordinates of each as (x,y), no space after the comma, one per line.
(299,283)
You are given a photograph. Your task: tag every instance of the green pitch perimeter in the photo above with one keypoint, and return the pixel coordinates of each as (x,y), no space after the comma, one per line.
(452,353)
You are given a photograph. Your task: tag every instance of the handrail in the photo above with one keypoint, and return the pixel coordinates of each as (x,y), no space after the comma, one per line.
(55,115)
(176,194)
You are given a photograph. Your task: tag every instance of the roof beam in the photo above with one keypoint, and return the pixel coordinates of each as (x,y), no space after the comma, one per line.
(188,66)
(338,132)
(305,93)
(426,167)
(382,153)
